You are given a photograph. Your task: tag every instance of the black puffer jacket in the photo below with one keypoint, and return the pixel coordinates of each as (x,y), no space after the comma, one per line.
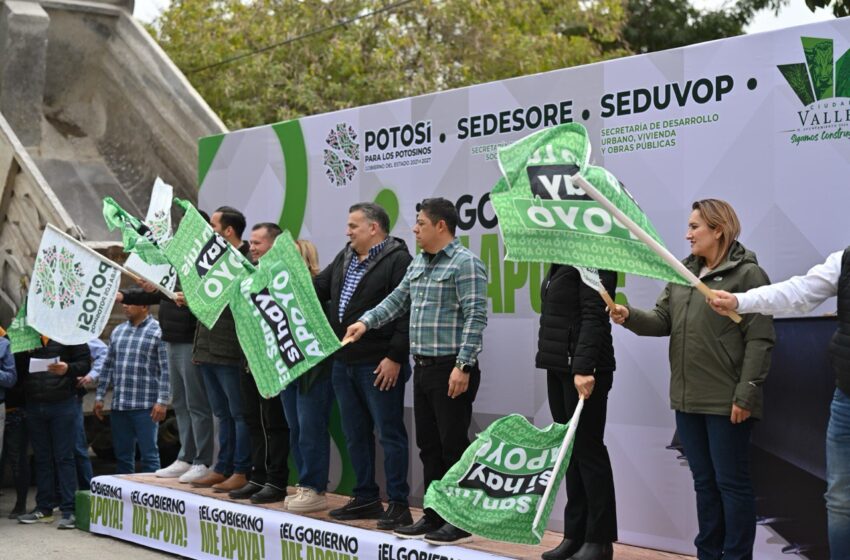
(49,387)
(177,323)
(381,278)
(575,333)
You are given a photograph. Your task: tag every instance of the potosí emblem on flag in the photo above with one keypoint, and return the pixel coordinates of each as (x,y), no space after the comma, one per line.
(58,277)
(281,326)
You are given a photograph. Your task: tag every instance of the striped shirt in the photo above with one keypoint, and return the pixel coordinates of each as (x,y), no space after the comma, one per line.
(355,272)
(447,300)
(136,366)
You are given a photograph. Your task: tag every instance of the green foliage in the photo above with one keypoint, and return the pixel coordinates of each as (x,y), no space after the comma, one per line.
(423,46)
(840,8)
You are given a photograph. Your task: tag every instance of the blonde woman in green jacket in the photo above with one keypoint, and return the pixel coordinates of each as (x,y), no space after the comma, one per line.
(717,369)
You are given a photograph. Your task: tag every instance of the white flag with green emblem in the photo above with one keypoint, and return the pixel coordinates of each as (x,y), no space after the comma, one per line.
(544,217)
(72,290)
(158,220)
(207,265)
(501,481)
(281,326)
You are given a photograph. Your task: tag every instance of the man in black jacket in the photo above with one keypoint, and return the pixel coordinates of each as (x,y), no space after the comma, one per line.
(369,375)
(50,385)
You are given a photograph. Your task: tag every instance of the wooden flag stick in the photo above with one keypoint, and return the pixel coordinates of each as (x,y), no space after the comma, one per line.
(659,249)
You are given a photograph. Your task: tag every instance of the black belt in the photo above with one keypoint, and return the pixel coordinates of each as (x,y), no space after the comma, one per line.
(427,361)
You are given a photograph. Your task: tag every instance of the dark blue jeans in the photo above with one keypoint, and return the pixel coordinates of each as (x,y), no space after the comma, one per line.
(82,463)
(307,414)
(52,429)
(128,428)
(838,476)
(364,408)
(718,455)
(234,438)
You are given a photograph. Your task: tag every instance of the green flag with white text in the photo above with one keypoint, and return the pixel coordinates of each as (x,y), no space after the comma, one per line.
(23,337)
(496,487)
(207,265)
(281,326)
(137,236)
(545,218)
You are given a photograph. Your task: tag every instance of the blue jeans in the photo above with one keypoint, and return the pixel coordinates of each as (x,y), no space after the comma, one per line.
(364,407)
(191,406)
(234,439)
(309,442)
(128,428)
(718,455)
(82,463)
(52,429)
(838,476)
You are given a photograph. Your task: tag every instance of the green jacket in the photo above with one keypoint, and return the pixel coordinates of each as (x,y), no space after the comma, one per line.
(714,362)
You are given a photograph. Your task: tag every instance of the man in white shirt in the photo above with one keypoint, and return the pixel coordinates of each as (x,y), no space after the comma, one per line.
(801,294)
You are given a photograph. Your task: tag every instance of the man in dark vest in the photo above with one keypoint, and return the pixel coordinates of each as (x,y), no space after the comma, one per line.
(802,294)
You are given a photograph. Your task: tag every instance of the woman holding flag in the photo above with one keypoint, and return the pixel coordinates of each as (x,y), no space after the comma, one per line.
(717,370)
(576,350)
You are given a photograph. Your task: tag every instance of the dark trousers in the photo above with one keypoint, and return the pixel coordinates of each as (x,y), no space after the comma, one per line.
(718,455)
(15,454)
(52,428)
(442,423)
(269,435)
(591,512)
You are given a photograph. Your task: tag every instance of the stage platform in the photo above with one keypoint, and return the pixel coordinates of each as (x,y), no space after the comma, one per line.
(199,523)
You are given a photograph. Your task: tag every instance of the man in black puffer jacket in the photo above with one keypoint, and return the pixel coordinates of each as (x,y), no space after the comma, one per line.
(575,348)
(369,375)
(51,373)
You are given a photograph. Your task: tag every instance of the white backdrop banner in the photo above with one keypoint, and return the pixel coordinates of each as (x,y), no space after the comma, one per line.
(762,121)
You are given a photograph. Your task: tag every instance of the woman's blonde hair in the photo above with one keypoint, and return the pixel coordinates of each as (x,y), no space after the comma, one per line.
(719,215)
(309,254)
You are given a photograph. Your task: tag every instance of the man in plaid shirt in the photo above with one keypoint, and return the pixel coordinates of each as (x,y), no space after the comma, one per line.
(136,367)
(445,291)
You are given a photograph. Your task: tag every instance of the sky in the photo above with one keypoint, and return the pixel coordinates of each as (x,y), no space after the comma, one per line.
(796,13)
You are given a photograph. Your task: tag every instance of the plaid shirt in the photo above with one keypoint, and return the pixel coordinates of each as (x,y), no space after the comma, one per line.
(447,302)
(356,270)
(136,366)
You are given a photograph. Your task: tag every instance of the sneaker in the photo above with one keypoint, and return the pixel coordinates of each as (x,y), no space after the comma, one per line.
(308,500)
(426,524)
(269,495)
(291,497)
(37,516)
(358,508)
(67,522)
(173,470)
(195,472)
(397,515)
(448,534)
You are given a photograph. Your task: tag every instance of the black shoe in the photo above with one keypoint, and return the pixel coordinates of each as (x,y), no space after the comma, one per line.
(16,512)
(426,524)
(359,508)
(246,491)
(268,495)
(397,515)
(563,551)
(448,534)
(594,551)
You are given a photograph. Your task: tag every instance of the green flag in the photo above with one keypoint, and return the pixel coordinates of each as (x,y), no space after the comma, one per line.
(545,218)
(496,487)
(137,236)
(281,326)
(23,337)
(207,265)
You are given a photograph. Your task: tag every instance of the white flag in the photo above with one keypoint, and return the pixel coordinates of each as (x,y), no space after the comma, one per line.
(72,290)
(158,219)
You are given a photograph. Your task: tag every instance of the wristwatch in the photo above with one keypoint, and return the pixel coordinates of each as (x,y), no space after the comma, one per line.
(463,366)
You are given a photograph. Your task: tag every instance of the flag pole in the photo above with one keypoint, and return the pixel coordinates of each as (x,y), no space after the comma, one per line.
(110,262)
(568,439)
(659,249)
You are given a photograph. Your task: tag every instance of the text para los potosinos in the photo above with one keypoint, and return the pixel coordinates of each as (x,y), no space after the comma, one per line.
(106,507)
(397,146)
(298,542)
(94,305)
(648,136)
(506,476)
(232,535)
(282,326)
(161,518)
